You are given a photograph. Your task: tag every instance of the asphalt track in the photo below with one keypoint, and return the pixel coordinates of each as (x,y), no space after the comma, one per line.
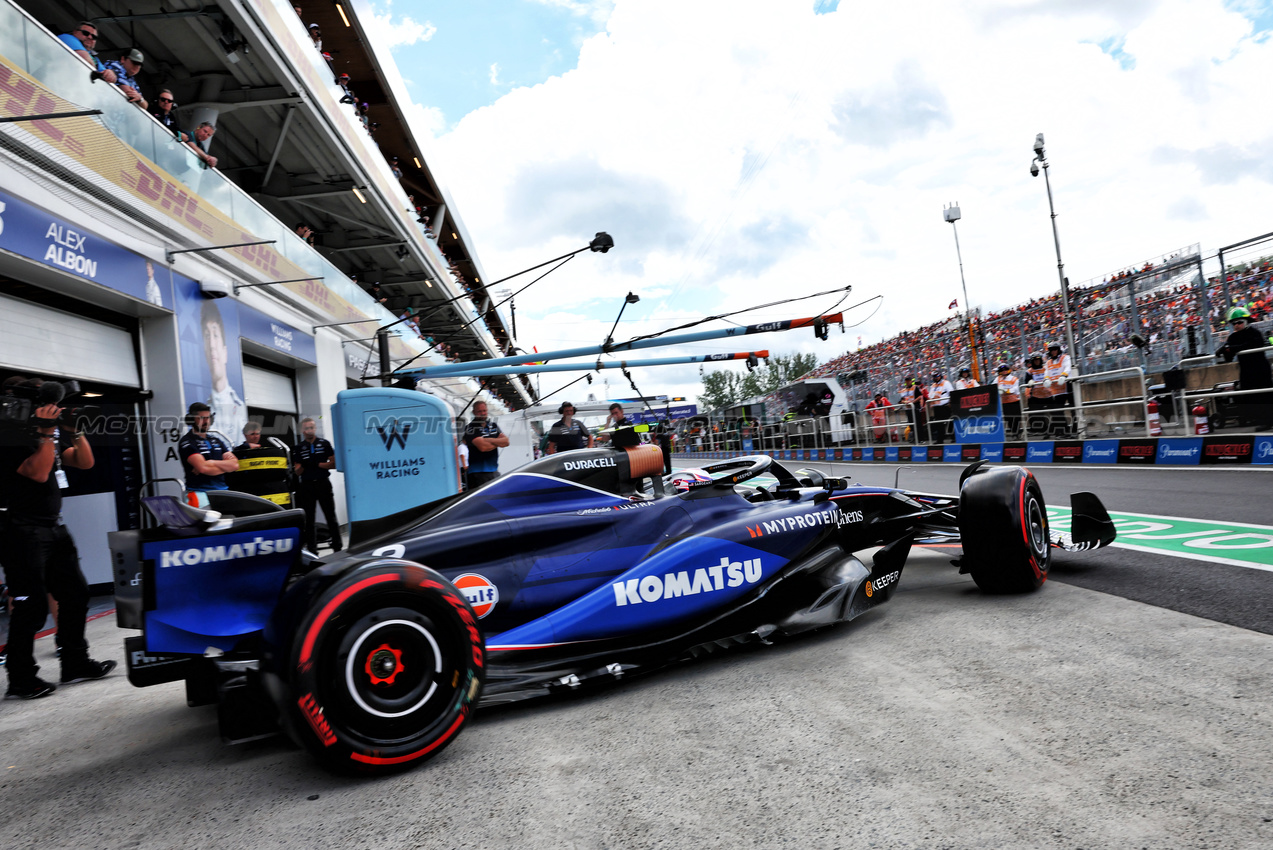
(1239,596)
(1094,713)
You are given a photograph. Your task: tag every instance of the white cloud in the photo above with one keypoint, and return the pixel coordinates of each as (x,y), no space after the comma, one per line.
(494,76)
(735,164)
(392,32)
(597,10)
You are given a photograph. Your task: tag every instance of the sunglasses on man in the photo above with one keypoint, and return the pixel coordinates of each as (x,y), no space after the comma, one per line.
(87,34)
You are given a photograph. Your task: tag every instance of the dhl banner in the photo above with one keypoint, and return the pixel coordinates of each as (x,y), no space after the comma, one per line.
(88,142)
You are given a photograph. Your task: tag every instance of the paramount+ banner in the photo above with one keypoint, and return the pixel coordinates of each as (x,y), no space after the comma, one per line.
(976,414)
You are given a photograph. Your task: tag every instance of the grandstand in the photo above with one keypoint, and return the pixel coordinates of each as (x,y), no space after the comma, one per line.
(1162,300)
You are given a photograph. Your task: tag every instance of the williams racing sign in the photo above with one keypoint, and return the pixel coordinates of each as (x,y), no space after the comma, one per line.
(395,447)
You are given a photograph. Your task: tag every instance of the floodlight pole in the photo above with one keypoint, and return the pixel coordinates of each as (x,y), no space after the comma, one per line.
(1041,159)
(952,215)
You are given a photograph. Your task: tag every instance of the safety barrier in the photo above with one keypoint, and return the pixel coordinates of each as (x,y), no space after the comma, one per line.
(1208,450)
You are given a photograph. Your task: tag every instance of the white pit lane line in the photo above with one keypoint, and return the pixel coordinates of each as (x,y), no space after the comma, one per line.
(1205,539)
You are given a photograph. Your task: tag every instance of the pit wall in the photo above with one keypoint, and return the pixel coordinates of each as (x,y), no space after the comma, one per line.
(1215,450)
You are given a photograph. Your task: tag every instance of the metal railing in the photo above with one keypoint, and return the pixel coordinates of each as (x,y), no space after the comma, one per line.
(1125,415)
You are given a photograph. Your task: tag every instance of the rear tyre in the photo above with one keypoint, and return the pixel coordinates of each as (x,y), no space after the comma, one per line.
(1003,525)
(385,669)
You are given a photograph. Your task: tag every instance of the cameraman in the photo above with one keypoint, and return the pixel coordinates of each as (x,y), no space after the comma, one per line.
(40,556)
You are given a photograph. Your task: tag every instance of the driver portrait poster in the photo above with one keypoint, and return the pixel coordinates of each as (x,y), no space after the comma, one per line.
(211,364)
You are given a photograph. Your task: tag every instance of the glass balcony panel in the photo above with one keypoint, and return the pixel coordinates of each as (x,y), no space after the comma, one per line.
(13,36)
(27,45)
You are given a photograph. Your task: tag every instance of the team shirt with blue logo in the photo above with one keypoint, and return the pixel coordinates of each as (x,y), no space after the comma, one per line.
(211,447)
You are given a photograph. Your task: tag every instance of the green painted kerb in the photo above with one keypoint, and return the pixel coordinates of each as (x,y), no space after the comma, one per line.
(1234,543)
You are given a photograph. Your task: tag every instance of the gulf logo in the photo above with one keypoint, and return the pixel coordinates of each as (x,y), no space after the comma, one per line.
(479,592)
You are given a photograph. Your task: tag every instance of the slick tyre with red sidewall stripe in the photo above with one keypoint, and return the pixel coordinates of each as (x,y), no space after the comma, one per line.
(384,668)
(1003,527)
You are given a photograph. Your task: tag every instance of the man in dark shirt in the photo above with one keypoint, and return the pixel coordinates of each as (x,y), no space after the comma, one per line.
(567,433)
(1253,369)
(484,439)
(615,420)
(314,459)
(165,113)
(204,456)
(40,555)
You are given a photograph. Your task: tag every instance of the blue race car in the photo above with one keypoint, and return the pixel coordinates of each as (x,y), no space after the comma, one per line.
(580,567)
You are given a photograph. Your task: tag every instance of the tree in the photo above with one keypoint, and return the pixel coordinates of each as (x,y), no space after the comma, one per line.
(725,388)
(782,370)
(721,388)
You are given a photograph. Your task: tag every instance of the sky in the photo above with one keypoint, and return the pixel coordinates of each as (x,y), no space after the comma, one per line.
(741,152)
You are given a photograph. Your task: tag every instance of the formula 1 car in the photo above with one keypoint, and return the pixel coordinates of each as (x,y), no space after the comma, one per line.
(579,567)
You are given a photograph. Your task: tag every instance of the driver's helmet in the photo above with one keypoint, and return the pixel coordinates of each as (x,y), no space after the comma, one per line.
(685,480)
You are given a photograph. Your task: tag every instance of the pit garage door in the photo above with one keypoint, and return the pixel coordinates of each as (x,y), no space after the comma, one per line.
(269,390)
(41,341)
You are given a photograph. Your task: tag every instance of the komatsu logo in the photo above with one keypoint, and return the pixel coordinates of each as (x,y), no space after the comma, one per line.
(671,585)
(209,554)
(597,463)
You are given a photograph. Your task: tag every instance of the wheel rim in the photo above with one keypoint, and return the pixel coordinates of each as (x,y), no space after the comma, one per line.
(1038,528)
(391,664)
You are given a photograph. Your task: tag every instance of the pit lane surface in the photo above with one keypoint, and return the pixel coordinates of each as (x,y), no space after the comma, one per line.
(1065,718)
(1226,593)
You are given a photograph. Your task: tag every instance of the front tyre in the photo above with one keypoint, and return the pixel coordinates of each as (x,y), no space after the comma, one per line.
(1003,526)
(385,669)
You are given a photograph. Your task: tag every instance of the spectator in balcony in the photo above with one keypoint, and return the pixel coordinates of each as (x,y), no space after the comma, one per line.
(82,40)
(346,96)
(306,232)
(126,69)
(165,112)
(393,166)
(316,36)
(379,296)
(202,142)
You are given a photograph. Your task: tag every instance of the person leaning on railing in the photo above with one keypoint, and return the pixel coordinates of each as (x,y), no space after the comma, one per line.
(1010,398)
(83,40)
(125,68)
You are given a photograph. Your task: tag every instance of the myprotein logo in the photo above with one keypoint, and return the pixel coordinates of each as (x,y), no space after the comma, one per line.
(259,545)
(812,519)
(674,585)
(393,434)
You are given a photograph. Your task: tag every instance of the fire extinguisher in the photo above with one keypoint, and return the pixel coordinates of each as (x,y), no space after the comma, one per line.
(1200,420)
(1155,428)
